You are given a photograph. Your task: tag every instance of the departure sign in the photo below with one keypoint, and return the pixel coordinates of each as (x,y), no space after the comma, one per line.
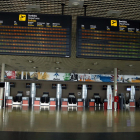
(108,38)
(35,34)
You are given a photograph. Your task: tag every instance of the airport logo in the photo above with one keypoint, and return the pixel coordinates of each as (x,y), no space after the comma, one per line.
(22,17)
(56,74)
(114,23)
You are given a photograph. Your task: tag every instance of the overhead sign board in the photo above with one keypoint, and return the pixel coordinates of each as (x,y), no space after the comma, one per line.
(35,34)
(107,38)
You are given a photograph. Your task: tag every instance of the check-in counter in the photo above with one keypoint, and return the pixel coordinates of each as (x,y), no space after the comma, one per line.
(52,101)
(105,104)
(131,102)
(9,100)
(25,101)
(36,101)
(64,102)
(80,102)
(91,102)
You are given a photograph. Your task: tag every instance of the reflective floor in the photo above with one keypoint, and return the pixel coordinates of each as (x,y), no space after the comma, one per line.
(69,120)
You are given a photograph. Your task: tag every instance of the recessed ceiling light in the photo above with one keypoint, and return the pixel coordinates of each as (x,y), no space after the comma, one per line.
(34,67)
(88,69)
(57,68)
(30,61)
(57,62)
(111,71)
(119,70)
(130,65)
(75,3)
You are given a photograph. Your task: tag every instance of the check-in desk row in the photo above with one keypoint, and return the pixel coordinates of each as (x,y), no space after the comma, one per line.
(17,100)
(40,102)
(45,100)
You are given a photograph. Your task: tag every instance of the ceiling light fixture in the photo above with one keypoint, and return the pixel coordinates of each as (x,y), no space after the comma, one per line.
(57,62)
(130,65)
(76,3)
(34,67)
(57,68)
(30,61)
(88,69)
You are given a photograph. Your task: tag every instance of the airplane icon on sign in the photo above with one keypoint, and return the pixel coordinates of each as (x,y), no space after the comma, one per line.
(113,22)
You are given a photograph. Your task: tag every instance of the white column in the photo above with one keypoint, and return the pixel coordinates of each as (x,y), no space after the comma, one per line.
(115,87)
(2,80)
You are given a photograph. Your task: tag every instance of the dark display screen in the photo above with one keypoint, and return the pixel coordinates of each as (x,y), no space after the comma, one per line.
(35,34)
(108,38)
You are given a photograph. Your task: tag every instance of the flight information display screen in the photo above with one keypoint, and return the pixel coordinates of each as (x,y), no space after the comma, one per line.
(106,38)
(35,34)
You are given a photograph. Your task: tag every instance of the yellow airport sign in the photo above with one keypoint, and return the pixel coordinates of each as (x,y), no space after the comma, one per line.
(22,17)
(114,23)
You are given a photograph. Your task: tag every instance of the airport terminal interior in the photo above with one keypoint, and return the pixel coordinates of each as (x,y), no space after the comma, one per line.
(69,69)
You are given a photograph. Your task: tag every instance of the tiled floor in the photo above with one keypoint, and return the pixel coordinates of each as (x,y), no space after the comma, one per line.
(69,120)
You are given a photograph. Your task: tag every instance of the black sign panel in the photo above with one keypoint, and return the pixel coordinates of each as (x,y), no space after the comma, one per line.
(38,85)
(104,87)
(54,86)
(2,84)
(12,84)
(28,85)
(35,34)
(108,38)
(79,87)
(64,86)
(89,87)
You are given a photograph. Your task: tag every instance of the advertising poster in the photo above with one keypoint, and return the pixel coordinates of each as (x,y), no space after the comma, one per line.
(18,74)
(24,77)
(10,75)
(98,78)
(85,77)
(58,76)
(70,77)
(131,79)
(73,76)
(67,77)
(43,76)
(32,75)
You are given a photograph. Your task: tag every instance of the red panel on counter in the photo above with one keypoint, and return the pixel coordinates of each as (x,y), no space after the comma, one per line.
(64,103)
(36,102)
(25,102)
(105,105)
(132,104)
(91,103)
(52,103)
(80,103)
(9,101)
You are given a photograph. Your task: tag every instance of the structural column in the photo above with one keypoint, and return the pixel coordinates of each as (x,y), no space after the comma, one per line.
(115,87)
(2,80)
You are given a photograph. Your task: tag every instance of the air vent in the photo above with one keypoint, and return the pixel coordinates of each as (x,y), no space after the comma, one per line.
(33,8)
(113,13)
